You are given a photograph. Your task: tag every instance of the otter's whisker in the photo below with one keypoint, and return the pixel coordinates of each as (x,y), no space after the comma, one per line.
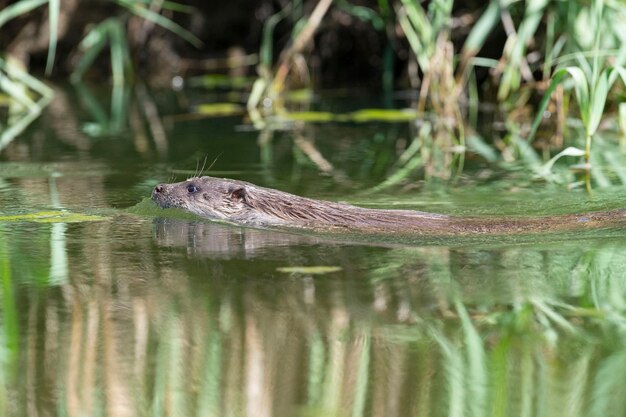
(195,172)
(214,161)
(203,165)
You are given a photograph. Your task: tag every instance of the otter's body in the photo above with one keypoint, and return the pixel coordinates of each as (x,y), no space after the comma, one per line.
(247,204)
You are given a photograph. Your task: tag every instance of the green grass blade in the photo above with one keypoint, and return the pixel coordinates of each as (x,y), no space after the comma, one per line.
(53,19)
(418,19)
(557,78)
(92,44)
(478,145)
(362,13)
(162,21)
(616,165)
(267,43)
(18,9)
(16,91)
(581,87)
(178,7)
(526,153)
(256,93)
(569,151)
(582,95)
(119,51)
(598,101)
(440,13)
(414,41)
(618,71)
(597,6)
(8,134)
(17,74)
(512,76)
(482,29)
(171,5)
(93,107)
(414,162)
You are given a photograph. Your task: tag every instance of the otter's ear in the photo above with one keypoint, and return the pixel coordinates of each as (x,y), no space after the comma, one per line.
(238,194)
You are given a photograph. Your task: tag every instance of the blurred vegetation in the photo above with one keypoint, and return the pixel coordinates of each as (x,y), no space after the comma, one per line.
(547,73)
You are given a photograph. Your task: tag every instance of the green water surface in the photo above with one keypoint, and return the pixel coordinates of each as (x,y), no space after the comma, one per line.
(117,308)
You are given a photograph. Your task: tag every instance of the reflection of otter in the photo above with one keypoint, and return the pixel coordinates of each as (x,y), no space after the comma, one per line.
(247,204)
(212,240)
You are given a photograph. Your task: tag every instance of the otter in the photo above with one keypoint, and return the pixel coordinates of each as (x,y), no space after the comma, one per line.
(247,204)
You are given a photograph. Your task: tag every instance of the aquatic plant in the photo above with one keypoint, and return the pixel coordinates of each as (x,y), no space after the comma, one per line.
(22,7)
(591,83)
(111,32)
(457,55)
(27,98)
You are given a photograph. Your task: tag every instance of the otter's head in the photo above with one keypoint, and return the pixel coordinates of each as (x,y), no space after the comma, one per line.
(214,198)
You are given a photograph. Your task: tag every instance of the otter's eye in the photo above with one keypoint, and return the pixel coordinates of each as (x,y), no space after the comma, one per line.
(192,189)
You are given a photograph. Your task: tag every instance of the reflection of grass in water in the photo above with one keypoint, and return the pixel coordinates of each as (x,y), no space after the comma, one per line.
(526,370)
(463,355)
(9,341)
(540,351)
(210,390)
(171,374)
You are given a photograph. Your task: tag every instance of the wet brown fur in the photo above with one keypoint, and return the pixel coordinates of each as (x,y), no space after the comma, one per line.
(247,204)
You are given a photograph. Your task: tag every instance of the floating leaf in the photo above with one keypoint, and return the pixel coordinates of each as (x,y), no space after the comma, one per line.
(72,218)
(313,270)
(310,116)
(360,116)
(219,109)
(303,95)
(384,115)
(52,217)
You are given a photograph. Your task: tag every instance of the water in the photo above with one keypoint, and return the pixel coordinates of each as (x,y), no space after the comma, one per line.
(139,311)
